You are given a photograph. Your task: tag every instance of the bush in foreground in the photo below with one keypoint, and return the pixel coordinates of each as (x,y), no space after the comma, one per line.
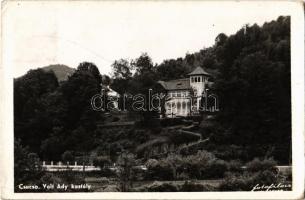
(260,165)
(190,186)
(187,186)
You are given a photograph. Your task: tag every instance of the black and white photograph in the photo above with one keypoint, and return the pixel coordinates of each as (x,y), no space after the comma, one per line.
(153,97)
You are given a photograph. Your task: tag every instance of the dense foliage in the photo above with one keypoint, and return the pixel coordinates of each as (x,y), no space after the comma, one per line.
(251,77)
(51,118)
(253,84)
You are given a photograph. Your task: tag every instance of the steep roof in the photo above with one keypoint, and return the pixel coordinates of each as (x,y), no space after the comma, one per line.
(199,71)
(178,84)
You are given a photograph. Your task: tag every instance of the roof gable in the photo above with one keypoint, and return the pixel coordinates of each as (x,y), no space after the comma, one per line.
(199,71)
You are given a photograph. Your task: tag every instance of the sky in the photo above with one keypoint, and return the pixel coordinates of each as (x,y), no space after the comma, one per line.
(37,34)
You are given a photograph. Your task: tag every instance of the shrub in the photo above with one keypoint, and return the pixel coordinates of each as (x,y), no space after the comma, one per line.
(151,163)
(235,183)
(140,136)
(70,176)
(183,176)
(112,188)
(101,161)
(266,177)
(162,187)
(190,186)
(50,179)
(171,121)
(67,156)
(101,150)
(107,172)
(198,165)
(247,180)
(159,170)
(234,166)
(227,152)
(261,165)
(216,169)
(104,180)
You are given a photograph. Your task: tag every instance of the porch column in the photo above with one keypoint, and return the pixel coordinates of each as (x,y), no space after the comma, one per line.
(186,109)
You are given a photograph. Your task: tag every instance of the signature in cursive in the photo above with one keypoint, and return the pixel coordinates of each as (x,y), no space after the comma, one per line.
(272,187)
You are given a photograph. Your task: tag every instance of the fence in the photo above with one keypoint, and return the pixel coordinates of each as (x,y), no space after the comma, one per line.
(59,166)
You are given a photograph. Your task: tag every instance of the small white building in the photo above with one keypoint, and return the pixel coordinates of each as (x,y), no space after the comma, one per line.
(113,95)
(185,94)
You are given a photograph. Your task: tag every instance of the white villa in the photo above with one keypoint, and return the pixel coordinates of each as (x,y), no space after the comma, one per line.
(112,95)
(182,91)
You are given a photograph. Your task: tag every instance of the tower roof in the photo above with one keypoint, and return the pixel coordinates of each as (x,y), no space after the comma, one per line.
(199,71)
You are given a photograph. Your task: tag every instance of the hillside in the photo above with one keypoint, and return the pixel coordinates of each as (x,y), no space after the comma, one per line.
(62,72)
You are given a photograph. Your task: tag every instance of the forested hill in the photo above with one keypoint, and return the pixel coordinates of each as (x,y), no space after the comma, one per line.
(270,38)
(62,72)
(252,81)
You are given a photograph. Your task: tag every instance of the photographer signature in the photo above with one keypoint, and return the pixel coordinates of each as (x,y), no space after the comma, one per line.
(272,187)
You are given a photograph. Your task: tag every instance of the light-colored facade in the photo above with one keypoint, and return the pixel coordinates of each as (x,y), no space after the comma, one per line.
(112,95)
(185,94)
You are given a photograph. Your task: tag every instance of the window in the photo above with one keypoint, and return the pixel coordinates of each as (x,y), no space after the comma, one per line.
(183,105)
(178,94)
(178,106)
(192,79)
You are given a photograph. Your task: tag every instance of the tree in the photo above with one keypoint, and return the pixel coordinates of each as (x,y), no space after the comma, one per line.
(52,148)
(253,85)
(143,64)
(78,91)
(121,69)
(172,69)
(126,161)
(67,156)
(101,161)
(106,80)
(221,39)
(91,68)
(162,169)
(27,167)
(32,123)
(144,80)
(50,118)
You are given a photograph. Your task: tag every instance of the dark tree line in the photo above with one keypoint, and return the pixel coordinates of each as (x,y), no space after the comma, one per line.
(253,84)
(52,118)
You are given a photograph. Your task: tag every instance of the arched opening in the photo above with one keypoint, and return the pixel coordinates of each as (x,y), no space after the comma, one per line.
(178,107)
(184,107)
